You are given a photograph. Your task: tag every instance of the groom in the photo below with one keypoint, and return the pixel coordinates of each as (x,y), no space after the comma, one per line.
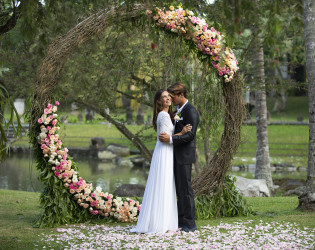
(184,155)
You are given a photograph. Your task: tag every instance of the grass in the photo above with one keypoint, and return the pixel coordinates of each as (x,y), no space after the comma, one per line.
(295,106)
(290,143)
(18,211)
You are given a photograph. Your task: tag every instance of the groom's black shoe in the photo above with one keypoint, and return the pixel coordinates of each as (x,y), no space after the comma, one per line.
(189,229)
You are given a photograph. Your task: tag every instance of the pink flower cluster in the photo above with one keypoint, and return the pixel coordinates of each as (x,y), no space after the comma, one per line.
(96,201)
(209,41)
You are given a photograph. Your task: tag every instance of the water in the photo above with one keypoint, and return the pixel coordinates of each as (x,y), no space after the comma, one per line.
(20,173)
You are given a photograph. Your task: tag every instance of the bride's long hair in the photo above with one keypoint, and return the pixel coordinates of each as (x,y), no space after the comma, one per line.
(157,108)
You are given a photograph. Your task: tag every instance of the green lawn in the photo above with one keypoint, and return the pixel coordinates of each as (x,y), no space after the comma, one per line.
(296,106)
(18,211)
(287,143)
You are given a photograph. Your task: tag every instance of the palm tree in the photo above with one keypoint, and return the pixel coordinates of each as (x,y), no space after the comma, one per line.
(307,199)
(263,170)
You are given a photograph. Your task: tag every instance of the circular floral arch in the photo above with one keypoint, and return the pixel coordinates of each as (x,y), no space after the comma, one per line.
(59,205)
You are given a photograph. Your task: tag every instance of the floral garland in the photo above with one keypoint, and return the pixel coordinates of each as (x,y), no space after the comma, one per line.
(98,202)
(209,41)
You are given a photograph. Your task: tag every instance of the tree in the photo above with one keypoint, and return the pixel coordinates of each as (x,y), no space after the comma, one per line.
(307,199)
(263,170)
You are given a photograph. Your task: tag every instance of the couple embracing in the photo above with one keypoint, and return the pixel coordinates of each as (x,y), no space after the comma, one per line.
(170,170)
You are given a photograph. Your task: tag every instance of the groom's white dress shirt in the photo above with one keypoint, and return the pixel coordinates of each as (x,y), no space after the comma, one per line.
(177,112)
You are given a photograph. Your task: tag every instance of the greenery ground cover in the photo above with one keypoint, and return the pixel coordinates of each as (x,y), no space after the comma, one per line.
(18,211)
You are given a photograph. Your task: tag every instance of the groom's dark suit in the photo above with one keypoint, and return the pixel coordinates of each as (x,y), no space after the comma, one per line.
(184,156)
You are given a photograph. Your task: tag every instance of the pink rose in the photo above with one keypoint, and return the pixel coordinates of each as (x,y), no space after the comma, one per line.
(93,195)
(46,111)
(48,128)
(49,106)
(221,73)
(72,191)
(40,120)
(57,173)
(54,122)
(57,103)
(42,146)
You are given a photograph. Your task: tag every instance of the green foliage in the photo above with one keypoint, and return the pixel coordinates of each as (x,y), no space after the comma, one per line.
(5,101)
(229,203)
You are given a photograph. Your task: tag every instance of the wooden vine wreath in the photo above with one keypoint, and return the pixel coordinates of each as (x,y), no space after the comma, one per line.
(174,20)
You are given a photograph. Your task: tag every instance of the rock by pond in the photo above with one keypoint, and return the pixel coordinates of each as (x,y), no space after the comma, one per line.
(106,155)
(119,149)
(140,162)
(252,187)
(121,162)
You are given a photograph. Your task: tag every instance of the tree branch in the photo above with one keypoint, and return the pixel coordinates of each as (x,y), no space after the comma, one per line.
(121,127)
(139,100)
(11,23)
(143,81)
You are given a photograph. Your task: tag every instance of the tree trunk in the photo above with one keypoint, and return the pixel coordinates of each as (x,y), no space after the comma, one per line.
(212,175)
(263,170)
(122,129)
(307,200)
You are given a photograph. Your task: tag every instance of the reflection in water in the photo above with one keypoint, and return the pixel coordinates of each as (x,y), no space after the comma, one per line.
(19,173)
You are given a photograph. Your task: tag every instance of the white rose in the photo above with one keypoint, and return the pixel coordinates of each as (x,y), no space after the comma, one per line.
(42,135)
(55,115)
(54,109)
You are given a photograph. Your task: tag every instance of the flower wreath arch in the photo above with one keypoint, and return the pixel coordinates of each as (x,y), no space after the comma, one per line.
(65,191)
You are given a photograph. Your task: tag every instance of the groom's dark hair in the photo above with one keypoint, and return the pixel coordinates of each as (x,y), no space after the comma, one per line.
(177,88)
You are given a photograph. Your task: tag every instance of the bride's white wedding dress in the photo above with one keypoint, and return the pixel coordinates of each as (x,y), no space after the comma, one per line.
(158,212)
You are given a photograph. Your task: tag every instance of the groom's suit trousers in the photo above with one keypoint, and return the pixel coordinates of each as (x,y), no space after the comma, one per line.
(185,195)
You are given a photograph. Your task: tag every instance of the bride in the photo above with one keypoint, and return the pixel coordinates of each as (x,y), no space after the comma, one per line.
(158,212)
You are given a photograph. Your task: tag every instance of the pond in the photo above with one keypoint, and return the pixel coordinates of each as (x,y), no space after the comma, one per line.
(19,173)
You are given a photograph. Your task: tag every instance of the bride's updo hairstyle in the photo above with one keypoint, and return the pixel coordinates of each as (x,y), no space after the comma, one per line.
(157,108)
